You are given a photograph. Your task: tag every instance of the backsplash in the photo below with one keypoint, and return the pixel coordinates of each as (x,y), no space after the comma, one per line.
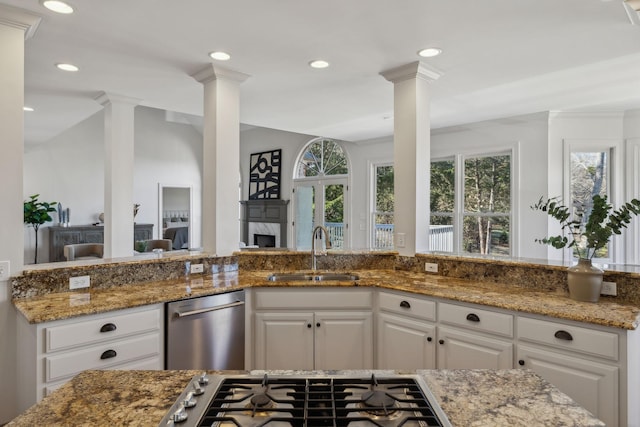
(106,275)
(528,274)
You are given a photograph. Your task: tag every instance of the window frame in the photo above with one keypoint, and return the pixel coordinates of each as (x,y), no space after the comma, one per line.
(513,150)
(373,165)
(614,147)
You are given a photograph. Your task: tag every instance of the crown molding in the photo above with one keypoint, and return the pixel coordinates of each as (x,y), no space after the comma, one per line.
(21,19)
(413,70)
(104,98)
(211,72)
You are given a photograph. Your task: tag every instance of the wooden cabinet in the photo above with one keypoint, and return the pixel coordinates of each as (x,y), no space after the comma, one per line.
(50,354)
(406,332)
(60,236)
(581,362)
(313,329)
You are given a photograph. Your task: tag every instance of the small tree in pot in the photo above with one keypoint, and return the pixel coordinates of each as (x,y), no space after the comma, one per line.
(35,214)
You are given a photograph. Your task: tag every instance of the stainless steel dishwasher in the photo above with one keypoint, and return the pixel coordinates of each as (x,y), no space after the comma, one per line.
(206,332)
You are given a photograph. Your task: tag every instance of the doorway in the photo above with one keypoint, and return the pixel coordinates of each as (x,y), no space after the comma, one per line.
(175,215)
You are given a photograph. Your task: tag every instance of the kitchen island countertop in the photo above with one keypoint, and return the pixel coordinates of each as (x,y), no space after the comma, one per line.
(63,305)
(468,397)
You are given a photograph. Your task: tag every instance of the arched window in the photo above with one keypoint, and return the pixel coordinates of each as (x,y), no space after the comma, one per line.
(320,185)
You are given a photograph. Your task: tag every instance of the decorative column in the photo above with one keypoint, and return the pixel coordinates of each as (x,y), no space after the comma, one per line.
(412,155)
(16,26)
(220,159)
(118,174)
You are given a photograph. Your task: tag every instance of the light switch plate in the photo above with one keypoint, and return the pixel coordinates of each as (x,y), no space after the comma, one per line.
(5,270)
(79,282)
(401,240)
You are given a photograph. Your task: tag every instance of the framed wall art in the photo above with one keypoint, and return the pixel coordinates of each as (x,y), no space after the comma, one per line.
(264,175)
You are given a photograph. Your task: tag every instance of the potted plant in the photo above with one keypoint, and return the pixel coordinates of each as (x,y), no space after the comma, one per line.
(35,214)
(589,229)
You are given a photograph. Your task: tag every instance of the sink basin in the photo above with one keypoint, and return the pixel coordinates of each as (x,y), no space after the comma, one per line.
(312,277)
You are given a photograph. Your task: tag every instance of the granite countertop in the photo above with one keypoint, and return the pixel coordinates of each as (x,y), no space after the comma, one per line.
(64,305)
(468,397)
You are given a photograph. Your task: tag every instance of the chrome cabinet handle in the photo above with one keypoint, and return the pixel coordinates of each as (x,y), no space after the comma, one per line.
(563,335)
(108,327)
(206,310)
(472,317)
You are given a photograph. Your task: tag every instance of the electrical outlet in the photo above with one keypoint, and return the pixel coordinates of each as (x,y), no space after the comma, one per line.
(401,240)
(431,267)
(609,288)
(79,282)
(197,268)
(5,270)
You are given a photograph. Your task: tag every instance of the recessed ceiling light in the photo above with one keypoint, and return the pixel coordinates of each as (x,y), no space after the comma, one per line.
(220,56)
(57,6)
(318,63)
(430,52)
(67,67)
(25,108)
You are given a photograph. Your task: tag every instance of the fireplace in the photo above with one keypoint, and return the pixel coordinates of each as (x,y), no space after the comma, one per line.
(264,218)
(264,240)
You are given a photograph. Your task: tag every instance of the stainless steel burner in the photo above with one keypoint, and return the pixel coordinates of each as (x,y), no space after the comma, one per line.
(309,401)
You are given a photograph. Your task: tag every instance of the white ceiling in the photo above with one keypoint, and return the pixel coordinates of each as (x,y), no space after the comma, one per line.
(501,58)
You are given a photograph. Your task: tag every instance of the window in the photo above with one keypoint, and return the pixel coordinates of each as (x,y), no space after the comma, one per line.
(471,204)
(320,193)
(589,175)
(382,215)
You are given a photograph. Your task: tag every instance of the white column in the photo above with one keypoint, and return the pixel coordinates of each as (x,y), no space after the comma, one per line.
(16,26)
(220,159)
(412,156)
(118,174)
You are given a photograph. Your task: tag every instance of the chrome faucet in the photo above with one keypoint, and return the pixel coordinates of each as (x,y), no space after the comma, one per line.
(317,232)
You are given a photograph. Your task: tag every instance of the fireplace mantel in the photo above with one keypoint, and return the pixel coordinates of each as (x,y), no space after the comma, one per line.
(268,211)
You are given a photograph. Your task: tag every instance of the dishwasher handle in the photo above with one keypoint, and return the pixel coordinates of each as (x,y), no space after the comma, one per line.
(208,309)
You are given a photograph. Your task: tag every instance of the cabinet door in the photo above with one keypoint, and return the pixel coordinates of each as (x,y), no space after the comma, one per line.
(93,236)
(461,350)
(284,341)
(593,385)
(59,238)
(405,343)
(343,340)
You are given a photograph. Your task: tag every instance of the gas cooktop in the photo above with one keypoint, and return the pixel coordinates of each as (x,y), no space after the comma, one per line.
(305,401)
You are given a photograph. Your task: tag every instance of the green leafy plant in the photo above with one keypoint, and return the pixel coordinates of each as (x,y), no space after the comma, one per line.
(590,234)
(36,213)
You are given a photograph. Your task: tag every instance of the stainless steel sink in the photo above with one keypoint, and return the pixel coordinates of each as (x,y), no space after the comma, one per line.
(312,277)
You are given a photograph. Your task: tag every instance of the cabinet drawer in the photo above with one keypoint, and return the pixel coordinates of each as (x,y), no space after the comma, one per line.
(300,299)
(68,364)
(407,305)
(476,319)
(573,338)
(102,329)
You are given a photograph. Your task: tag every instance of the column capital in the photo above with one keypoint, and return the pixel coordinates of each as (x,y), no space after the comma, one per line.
(413,70)
(20,19)
(211,72)
(104,98)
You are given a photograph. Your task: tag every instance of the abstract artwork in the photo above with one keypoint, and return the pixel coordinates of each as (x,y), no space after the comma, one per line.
(264,175)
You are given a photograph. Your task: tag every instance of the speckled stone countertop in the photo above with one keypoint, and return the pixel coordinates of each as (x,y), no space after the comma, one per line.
(64,305)
(468,398)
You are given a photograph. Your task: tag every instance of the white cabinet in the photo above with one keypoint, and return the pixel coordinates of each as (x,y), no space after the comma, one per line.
(49,354)
(581,362)
(406,332)
(477,339)
(335,330)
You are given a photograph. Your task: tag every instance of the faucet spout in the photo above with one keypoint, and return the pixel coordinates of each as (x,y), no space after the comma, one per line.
(318,231)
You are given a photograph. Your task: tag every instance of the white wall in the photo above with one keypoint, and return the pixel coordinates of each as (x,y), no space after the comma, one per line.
(70,169)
